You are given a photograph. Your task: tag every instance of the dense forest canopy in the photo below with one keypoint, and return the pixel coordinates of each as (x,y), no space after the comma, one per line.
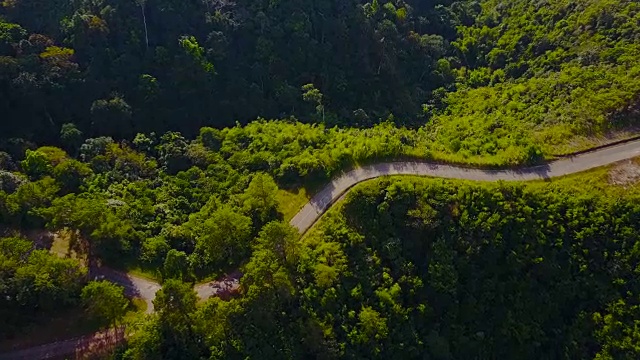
(431,269)
(178,137)
(480,79)
(120,67)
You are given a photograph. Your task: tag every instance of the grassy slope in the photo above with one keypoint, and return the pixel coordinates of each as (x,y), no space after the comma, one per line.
(557,73)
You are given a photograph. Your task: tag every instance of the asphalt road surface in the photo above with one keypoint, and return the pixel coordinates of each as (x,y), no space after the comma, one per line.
(134,286)
(317,206)
(94,342)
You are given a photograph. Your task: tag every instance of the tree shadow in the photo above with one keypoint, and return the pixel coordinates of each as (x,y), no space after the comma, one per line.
(99,273)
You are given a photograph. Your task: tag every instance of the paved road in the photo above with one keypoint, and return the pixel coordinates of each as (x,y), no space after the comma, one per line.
(102,340)
(146,289)
(222,287)
(312,211)
(134,286)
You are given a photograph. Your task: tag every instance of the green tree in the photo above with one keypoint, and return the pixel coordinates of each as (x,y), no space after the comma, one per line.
(36,164)
(172,152)
(175,304)
(10,35)
(111,116)
(225,237)
(211,138)
(34,283)
(105,302)
(283,240)
(260,197)
(176,265)
(71,137)
(71,175)
(313,96)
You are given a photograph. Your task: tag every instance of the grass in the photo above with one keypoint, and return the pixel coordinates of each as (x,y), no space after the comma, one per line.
(138,305)
(291,201)
(143,273)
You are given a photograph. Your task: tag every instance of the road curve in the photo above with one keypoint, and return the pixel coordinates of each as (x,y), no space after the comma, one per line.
(134,286)
(319,204)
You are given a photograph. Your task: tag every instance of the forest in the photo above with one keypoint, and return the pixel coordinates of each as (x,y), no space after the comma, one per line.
(481,82)
(178,138)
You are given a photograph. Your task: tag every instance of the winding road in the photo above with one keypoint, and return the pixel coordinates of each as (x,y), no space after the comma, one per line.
(319,204)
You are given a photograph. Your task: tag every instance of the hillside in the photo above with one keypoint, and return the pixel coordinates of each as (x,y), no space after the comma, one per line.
(424,268)
(474,82)
(177,138)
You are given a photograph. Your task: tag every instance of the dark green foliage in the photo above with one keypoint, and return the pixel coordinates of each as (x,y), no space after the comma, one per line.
(176,305)
(10,182)
(435,269)
(176,265)
(483,81)
(34,283)
(105,302)
(171,182)
(71,137)
(457,270)
(136,66)
(71,174)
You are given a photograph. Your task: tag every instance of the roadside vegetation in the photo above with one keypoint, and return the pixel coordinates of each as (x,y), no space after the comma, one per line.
(176,139)
(415,267)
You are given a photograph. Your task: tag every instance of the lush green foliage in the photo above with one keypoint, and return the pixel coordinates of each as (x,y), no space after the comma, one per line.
(549,70)
(119,67)
(478,82)
(436,269)
(34,283)
(151,169)
(105,301)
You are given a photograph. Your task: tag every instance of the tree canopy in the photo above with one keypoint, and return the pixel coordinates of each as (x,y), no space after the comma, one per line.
(178,137)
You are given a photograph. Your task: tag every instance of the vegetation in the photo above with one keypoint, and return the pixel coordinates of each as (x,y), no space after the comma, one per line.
(105,302)
(139,130)
(34,283)
(478,82)
(410,267)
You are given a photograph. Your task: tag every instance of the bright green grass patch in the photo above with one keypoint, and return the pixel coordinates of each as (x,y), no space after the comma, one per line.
(291,201)
(138,306)
(143,273)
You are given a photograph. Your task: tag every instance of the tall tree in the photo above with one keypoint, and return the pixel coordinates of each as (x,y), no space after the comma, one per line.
(105,302)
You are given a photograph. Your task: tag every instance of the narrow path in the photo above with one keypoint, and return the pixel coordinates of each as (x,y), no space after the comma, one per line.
(97,342)
(321,202)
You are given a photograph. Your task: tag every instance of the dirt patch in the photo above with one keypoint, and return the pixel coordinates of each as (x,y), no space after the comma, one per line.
(625,174)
